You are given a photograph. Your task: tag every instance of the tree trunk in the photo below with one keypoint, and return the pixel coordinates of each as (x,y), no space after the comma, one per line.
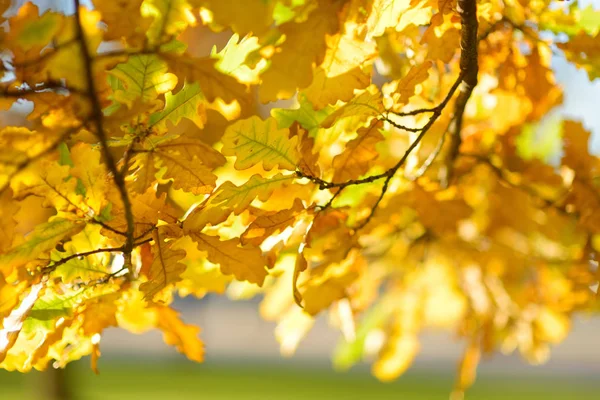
(54,385)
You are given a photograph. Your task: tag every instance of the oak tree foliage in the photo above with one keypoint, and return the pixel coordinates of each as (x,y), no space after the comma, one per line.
(411,184)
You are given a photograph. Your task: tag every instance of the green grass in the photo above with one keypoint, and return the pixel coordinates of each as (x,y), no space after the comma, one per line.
(155,379)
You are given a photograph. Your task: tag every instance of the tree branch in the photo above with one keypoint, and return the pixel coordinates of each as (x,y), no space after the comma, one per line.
(467,80)
(98,122)
(469,68)
(50,268)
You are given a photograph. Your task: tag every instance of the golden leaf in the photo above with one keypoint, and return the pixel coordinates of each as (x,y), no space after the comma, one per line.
(359,154)
(253,141)
(270,223)
(245,263)
(176,333)
(291,67)
(165,269)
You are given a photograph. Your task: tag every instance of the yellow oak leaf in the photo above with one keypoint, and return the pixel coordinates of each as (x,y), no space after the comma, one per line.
(309,161)
(176,333)
(190,175)
(10,294)
(188,160)
(147,209)
(200,276)
(213,83)
(397,14)
(326,90)
(584,51)
(442,39)
(437,213)
(166,268)
(291,67)
(346,51)
(171,17)
(364,105)
(189,147)
(143,169)
(8,224)
(359,155)
(30,31)
(68,63)
(270,223)
(255,17)
(99,314)
(320,292)
(229,198)
(576,150)
(253,141)
(232,59)
(88,168)
(396,357)
(133,313)
(132,28)
(246,263)
(406,86)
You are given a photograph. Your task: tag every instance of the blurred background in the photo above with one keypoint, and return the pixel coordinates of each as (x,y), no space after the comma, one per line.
(243,360)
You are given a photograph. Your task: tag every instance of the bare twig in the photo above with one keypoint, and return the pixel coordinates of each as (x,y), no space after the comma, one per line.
(50,268)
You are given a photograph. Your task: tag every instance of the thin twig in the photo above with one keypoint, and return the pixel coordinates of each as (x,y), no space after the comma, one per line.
(50,268)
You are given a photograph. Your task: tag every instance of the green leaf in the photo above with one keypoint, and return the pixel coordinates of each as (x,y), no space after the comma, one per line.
(572,22)
(542,141)
(53,304)
(230,198)
(64,156)
(233,57)
(238,198)
(347,353)
(143,76)
(309,118)
(254,141)
(37,31)
(43,239)
(187,103)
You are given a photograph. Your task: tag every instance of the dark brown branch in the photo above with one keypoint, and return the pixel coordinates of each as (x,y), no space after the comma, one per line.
(467,80)
(469,68)
(437,111)
(50,268)
(97,117)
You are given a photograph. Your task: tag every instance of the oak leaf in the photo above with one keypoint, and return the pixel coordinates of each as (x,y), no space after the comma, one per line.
(165,269)
(246,263)
(253,141)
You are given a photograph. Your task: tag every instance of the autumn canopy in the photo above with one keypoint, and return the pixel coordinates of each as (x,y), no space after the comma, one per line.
(401,189)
